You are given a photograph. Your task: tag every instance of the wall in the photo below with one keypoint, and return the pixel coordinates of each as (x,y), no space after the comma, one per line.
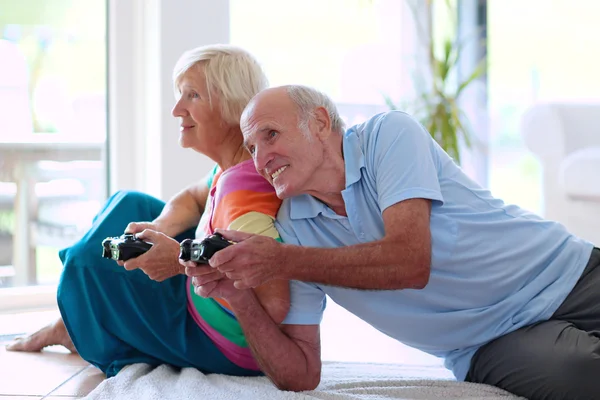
(146,37)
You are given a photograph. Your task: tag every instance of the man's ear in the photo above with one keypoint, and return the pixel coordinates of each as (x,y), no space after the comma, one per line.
(322,122)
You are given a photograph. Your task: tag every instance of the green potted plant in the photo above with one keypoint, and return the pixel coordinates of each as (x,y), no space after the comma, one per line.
(437,106)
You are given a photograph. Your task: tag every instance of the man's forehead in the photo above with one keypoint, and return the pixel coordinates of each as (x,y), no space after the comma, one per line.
(257,117)
(256,123)
(270,109)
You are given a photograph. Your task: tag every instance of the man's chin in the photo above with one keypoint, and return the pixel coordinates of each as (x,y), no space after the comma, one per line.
(283,192)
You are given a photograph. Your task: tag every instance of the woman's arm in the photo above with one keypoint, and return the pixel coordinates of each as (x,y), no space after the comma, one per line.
(184,210)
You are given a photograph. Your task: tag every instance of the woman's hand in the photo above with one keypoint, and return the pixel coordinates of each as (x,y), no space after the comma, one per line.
(161,261)
(137,227)
(209,282)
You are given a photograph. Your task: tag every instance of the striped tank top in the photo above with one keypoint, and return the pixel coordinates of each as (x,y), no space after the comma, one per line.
(239,199)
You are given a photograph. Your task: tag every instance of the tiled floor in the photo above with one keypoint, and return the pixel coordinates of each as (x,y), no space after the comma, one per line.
(51,374)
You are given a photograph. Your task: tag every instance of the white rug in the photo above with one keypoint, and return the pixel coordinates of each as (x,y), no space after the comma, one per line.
(339,381)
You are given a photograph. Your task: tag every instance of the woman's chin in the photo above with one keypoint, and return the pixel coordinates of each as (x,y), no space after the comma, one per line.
(184,142)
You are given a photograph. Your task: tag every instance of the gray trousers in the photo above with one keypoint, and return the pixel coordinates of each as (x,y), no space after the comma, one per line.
(554,359)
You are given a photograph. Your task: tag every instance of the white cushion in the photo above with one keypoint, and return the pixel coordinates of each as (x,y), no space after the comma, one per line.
(579,174)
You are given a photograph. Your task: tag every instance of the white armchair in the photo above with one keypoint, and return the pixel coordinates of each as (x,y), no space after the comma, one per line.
(566,139)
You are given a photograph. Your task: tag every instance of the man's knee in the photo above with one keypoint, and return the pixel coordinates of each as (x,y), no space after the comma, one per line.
(577,374)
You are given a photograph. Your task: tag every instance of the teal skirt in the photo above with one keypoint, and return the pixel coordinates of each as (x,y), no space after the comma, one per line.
(117,317)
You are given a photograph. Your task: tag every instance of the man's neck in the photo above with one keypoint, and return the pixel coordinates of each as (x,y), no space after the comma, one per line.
(332,178)
(335,201)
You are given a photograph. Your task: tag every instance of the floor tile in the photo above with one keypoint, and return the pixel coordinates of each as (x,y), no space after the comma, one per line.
(36,374)
(81,384)
(26,321)
(56,398)
(19,397)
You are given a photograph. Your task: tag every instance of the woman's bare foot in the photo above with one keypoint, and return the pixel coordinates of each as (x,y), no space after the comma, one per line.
(55,333)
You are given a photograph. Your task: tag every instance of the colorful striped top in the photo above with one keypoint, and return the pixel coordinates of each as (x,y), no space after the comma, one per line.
(239,199)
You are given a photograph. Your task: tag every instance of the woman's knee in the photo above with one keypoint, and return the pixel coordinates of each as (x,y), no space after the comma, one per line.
(128,197)
(132,206)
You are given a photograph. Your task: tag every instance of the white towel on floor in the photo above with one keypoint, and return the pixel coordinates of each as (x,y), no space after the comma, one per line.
(339,380)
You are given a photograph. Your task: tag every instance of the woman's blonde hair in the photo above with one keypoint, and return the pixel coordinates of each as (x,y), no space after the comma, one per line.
(232,73)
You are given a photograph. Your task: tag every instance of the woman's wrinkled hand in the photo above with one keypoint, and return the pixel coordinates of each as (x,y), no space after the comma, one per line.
(137,227)
(209,282)
(161,261)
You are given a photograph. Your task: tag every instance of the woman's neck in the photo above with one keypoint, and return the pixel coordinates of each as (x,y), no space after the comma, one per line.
(233,157)
(232,150)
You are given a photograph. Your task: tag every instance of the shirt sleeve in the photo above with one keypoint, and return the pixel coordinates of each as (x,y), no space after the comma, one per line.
(246,202)
(307,304)
(404,161)
(211,176)
(257,223)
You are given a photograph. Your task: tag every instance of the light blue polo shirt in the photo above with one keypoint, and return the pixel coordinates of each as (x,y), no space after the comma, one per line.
(494,267)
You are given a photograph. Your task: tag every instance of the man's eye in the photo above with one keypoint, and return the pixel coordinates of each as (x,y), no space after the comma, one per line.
(272,134)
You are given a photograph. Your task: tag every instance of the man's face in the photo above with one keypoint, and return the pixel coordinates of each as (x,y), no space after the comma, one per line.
(285,155)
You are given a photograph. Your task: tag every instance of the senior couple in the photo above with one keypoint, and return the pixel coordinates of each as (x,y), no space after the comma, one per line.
(377,216)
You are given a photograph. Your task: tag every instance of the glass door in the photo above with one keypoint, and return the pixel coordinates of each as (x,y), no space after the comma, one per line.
(53,132)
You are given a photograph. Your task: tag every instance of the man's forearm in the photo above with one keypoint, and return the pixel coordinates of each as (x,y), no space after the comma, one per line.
(380,265)
(279,357)
(180,213)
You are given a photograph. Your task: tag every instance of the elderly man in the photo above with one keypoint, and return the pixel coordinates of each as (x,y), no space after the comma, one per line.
(380,218)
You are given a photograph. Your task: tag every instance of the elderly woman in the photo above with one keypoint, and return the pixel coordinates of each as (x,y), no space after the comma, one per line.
(146,309)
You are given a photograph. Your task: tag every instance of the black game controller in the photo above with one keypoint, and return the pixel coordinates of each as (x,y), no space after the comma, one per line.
(123,248)
(201,251)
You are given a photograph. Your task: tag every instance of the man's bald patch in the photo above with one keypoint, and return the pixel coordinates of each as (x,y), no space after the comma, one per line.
(267,98)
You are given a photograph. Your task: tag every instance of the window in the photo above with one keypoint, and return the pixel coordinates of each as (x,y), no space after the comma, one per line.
(52,132)
(538,51)
(356,51)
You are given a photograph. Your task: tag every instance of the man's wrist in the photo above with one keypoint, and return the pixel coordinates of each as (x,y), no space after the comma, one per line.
(288,259)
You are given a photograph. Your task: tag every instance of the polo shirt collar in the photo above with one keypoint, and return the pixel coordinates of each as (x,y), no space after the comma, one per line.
(306,206)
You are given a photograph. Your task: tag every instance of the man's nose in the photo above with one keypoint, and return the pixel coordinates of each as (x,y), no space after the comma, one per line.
(261,159)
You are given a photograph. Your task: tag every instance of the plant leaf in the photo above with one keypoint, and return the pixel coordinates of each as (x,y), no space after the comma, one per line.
(389,102)
(477,72)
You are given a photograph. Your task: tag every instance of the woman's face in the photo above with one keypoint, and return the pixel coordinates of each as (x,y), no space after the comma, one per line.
(201,125)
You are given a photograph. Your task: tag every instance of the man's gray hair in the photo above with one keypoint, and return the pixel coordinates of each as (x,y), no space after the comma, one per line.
(232,73)
(307,99)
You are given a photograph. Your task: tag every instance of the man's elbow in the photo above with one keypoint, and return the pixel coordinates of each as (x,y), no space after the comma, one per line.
(277,309)
(422,279)
(421,272)
(300,384)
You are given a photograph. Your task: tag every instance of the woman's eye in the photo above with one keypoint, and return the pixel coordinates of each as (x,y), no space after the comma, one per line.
(251,149)
(194,95)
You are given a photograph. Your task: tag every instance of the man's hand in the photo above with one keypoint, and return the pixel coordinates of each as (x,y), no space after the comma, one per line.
(210,282)
(252,261)
(161,261)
